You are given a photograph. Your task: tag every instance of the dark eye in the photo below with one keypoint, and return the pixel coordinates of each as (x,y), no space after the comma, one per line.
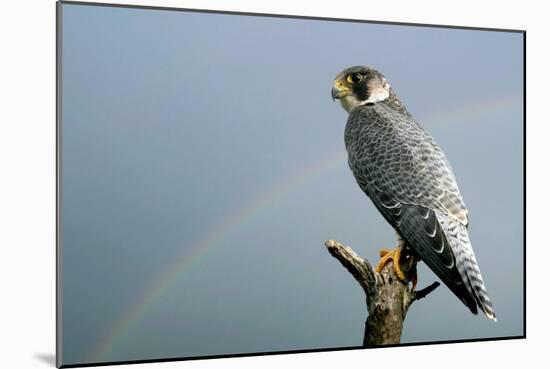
(355,77)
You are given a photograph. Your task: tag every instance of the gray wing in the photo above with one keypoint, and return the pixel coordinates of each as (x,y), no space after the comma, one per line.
(418,172)
(409,179)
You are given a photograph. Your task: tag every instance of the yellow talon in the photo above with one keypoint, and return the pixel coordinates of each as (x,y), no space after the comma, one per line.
(384,252)
(391,255)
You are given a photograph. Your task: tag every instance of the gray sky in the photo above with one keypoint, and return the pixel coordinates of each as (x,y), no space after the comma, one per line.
(175,124)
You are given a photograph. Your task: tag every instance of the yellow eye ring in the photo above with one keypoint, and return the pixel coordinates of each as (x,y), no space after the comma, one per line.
(354,77)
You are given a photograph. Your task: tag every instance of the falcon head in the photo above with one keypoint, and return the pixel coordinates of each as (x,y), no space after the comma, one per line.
(360,85)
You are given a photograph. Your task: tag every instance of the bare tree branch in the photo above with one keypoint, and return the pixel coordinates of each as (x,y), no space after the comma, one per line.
(388,298)
(417,295)
(358,267)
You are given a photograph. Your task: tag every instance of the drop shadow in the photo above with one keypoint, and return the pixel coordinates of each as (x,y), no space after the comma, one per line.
(46,358)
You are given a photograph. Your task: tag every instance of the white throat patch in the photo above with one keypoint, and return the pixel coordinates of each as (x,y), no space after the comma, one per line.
(349,102)
(379,93)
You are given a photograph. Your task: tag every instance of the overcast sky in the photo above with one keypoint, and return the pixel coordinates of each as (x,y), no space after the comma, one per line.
(208,145)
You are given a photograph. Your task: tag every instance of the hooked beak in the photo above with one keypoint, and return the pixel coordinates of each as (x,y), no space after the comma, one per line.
(338,90)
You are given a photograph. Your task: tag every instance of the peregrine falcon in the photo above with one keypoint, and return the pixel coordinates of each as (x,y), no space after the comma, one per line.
(410,181)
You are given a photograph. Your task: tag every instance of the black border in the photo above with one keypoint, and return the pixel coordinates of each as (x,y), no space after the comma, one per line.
(58,166)
(306,351)
(58,76)
(347,20)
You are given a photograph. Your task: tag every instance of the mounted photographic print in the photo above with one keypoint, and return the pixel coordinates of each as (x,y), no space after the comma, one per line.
(242,184)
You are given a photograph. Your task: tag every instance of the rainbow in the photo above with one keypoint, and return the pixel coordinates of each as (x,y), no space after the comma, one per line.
(476,109)
(153,292)
(166,278)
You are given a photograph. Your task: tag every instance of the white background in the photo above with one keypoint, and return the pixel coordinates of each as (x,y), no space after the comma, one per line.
(27,183)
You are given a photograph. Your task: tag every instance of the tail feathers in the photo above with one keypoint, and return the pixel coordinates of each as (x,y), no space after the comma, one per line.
(458,238)
(477,287)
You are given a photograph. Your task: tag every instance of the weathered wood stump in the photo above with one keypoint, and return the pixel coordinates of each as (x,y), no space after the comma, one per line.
(388,298)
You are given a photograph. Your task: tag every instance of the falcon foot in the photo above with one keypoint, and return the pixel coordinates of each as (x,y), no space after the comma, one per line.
(404,272)
(395,256)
